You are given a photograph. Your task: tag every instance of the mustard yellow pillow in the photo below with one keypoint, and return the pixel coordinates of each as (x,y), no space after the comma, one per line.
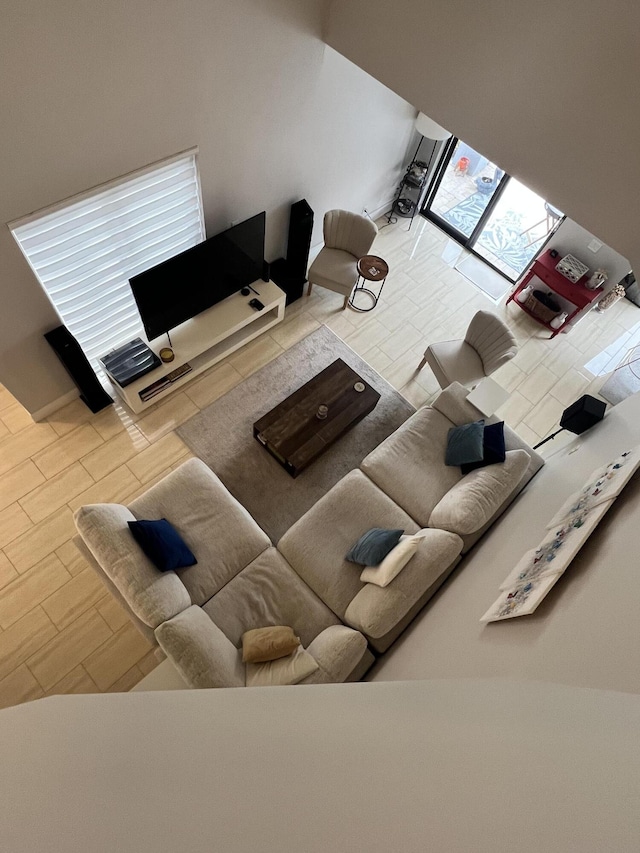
(264,644)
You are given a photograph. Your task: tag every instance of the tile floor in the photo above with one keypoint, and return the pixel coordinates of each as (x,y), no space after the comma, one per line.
(60,631)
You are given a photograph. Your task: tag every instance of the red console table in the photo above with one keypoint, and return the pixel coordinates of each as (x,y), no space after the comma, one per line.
(544,267)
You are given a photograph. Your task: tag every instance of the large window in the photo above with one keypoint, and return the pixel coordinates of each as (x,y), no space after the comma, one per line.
(85,249)
(490,213)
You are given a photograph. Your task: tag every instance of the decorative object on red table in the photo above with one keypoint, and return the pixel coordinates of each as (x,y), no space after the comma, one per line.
(572,268)
(597,279)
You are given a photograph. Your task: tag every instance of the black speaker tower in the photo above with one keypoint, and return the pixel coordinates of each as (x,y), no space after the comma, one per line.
(68,350)
(291,273)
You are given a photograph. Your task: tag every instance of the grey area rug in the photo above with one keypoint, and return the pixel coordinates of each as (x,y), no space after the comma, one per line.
(222,434)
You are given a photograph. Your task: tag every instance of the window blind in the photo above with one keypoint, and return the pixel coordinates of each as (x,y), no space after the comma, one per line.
(85,250)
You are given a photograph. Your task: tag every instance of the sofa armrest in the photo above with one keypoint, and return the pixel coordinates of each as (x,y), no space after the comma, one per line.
(200,651)
(337,650)
(453,404)
(376,610)
(513,442)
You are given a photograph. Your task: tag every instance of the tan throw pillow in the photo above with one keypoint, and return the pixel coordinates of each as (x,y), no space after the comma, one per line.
(276,673)
(469,505)
(264,644)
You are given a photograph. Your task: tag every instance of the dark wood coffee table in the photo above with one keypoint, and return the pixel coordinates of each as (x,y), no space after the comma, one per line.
(295,436)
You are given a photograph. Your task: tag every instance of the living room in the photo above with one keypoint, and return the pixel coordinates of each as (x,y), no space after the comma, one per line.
(271,107)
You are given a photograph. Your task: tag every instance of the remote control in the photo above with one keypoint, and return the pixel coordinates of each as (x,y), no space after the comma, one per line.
(255,303)
(178,372)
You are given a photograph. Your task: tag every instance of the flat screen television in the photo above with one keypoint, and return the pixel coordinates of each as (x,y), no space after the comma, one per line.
(183,286)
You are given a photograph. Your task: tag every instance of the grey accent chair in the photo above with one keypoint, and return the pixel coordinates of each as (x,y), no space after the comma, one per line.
(487,345)
(347,238)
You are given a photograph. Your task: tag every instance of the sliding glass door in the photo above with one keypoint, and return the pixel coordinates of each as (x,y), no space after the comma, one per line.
(490,213)
(465,188)
(517,227)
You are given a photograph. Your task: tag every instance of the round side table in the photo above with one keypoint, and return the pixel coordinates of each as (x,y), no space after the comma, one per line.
(371,268)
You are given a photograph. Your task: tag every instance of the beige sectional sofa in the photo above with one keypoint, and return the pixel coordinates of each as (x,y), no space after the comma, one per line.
(198,614)
(241,581)
(404,483)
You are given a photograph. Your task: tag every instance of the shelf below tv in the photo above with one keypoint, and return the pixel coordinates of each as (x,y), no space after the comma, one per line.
(207,338)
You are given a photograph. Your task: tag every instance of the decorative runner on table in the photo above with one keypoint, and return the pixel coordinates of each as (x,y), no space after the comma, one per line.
(539,569)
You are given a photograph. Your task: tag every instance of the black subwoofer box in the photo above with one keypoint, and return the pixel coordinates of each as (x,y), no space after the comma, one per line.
(583,414)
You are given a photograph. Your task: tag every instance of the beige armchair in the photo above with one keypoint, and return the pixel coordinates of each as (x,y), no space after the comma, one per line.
(487,345)
(347,238)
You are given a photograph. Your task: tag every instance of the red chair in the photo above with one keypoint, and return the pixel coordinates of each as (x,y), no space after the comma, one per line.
(461,166)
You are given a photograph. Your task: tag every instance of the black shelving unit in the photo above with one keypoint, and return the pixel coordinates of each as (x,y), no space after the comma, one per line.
(407,198)
(411,189)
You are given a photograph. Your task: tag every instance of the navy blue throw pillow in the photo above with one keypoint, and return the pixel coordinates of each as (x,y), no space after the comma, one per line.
(373,546)
(162,544)
(464,444)
(493,448)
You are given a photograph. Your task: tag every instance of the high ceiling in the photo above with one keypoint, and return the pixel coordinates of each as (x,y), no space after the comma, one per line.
(546,90)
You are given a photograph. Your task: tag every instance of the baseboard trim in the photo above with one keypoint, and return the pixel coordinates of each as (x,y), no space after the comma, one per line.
(379,211)
(50,408)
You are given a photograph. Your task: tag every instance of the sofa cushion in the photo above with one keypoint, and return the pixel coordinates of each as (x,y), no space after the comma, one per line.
(220,531)
(316,544)
(474,500)
(152,595)
(268,592)
(375,611)
(409,466)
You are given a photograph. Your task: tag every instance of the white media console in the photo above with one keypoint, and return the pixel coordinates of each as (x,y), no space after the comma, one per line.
(206,339)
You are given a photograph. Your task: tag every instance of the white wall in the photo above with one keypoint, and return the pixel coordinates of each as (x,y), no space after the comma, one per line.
(92,90)
(548,90)
(442,766)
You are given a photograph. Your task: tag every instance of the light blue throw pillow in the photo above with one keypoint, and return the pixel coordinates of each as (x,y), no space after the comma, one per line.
(465,444)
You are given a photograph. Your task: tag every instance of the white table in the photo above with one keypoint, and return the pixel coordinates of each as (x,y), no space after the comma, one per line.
(488,396)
